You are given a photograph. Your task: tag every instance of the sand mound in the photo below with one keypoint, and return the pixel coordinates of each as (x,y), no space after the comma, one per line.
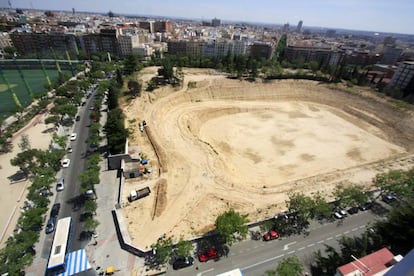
(232,144)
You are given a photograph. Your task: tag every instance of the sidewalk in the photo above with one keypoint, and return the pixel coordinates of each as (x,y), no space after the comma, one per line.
(104,250)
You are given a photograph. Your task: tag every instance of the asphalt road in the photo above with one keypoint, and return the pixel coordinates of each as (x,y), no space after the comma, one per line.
(72,184)
(256,257)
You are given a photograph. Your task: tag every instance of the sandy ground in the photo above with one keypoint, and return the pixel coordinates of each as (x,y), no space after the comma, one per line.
(235,144)
(13,194)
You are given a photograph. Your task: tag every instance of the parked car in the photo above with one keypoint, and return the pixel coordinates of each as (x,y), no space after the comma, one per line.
(353,210)
(365,206)
(70,149)
(85,216)
(208,254)
(73,136)
(337,215)
(387,198)
(343,212)
(50,226)
(60,186)
(77,118)
(182,262)
(55,210)
(65,163)
(271,235)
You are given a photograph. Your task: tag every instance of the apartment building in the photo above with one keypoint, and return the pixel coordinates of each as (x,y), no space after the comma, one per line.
(404,77)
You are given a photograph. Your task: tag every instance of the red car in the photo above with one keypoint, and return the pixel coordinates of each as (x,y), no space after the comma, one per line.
(271,235)
(209,254)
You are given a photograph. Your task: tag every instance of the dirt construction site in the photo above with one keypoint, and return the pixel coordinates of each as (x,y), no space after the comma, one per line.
(217,143)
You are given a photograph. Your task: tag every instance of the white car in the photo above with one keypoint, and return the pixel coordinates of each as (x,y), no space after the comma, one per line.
(73,136)
(60,186)
(65,163)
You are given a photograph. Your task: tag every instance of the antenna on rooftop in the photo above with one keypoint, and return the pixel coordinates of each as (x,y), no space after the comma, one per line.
(361,263)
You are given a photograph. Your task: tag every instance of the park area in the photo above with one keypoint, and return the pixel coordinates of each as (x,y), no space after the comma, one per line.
(218,143)
(35,79)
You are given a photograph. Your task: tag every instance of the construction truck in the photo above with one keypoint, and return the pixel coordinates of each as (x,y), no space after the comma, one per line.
(137,194)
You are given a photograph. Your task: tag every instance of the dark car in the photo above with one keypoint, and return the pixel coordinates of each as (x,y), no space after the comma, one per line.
(209,254)
(365,206)
(183,262)
(353,210)
(77,118)
(271,235)
(55,210)
(85,216)
(388,198)
(50,226)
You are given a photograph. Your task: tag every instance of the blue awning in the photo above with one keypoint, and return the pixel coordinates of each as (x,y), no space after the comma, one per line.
(77,262)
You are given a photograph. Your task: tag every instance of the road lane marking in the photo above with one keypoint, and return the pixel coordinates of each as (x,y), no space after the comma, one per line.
(290,252)
(310,245)
(205,271)
(362,226)
(330,238)
(286,247)
(346,232)
(338,235)
(301,248)
(322,241)
(354,229)
(264,261)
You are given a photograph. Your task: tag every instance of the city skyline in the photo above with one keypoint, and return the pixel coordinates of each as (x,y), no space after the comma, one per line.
(369,15)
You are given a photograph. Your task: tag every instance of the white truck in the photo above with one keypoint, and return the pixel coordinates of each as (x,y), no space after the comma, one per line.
(137,194)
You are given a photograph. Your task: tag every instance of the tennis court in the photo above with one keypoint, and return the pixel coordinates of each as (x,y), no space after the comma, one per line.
(36,80)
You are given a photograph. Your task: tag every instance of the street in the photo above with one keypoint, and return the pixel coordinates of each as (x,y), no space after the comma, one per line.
(256,257)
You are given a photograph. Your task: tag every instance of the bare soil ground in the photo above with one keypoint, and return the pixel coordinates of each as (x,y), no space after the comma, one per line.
(246,145)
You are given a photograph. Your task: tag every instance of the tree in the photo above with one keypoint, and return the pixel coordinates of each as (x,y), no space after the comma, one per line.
(119,79)
(351,195)
(290,266)
(52,120)
(395,182)
(300,204)
(183,248)
(24,142)
(113,96)
(90,224)
(163,250)
(59,140)
(321,208)
(130,64)
(90,206)
(134,88)
(229,223)
(27,161)
(115,131)
(397,232)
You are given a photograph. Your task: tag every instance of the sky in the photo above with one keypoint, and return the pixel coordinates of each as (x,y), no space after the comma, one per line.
(395,16)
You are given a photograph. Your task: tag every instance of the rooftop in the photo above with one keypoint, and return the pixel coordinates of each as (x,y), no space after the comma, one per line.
(369,265)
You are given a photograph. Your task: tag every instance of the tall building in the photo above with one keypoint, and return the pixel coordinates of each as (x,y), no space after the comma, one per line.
(404,77)
(261,50)
(285,28)
(163,27)
(391,55)
(299,27)
(215,22)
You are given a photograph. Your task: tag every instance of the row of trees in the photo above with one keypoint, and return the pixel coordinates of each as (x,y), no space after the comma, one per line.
(231,225)
(41,167)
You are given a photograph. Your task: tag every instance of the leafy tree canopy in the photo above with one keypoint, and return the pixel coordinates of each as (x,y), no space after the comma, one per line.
(229,223)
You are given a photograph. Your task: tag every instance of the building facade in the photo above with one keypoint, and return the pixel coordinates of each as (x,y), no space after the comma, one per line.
(404,77)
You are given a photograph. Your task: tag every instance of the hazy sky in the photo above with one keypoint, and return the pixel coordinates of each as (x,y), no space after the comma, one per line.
(373,15)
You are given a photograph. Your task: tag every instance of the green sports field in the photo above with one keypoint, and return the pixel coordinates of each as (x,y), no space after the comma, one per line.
(36,80)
